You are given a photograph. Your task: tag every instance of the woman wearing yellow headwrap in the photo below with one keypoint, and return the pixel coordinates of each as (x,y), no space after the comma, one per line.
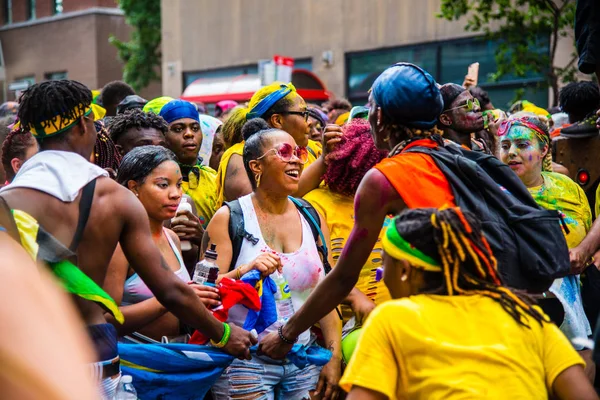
(282,108)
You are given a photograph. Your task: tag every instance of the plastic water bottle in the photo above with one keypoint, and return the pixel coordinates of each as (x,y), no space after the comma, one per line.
(125,390)
(283,297)
(183,206)
(207,270)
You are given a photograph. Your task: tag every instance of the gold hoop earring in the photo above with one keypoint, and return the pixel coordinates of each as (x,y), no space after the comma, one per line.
(386,139)
(257,179)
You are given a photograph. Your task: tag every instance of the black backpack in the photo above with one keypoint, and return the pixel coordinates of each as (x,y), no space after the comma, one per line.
(238,233)
(526,239)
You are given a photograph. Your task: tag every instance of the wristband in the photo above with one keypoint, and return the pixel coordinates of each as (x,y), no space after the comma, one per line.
(283,338)
(224,339)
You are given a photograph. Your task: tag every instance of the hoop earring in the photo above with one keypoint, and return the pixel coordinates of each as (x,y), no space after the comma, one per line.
(386,139)
(257,179)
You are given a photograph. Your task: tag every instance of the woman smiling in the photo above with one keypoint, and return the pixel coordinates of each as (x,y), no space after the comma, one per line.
(524,146)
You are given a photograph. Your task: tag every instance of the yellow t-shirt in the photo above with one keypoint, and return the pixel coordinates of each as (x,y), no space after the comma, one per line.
(597,208)
(456,347)
(203,191)
(237,148)
(314,151)
(338,212)
(561,193)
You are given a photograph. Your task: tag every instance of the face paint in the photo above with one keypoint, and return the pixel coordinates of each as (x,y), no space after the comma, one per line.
(522,151)
(463,119)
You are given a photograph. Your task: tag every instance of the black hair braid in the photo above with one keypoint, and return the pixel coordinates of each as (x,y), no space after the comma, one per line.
(106,154)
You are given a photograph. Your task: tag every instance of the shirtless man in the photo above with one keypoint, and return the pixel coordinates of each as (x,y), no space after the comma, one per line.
(60,116)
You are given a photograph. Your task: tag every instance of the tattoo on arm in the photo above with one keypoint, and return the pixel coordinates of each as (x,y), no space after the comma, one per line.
(233,172)
(205,242)
(331,347)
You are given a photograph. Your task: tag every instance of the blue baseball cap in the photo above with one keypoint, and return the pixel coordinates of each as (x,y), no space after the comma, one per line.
(408,95)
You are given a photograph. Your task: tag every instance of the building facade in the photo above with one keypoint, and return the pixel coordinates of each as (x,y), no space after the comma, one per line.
(58,39)
(346,43)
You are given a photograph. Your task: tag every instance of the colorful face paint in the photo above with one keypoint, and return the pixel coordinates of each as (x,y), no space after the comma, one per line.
(521,149)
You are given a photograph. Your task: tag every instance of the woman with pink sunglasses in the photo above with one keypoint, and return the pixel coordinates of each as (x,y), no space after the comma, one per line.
(278,243)
(525,147)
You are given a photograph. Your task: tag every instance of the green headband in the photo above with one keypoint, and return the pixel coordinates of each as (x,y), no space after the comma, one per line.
(397,247)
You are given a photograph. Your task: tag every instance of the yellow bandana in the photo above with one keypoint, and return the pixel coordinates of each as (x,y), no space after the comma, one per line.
(58,124)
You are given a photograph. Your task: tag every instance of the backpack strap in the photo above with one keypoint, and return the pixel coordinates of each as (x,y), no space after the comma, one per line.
(85,206)
(314,221)
(237,231)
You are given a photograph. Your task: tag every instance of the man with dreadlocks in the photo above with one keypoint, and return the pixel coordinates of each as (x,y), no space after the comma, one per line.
(60,198)
(405,104)
(462,334)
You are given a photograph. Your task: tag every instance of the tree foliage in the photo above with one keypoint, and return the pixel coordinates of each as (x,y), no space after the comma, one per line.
(141,54)
(518,26)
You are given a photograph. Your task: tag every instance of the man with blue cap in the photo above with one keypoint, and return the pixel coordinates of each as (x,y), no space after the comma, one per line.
(405,104)
(184,138)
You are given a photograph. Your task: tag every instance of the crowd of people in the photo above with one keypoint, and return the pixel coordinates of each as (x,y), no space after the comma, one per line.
(424,245)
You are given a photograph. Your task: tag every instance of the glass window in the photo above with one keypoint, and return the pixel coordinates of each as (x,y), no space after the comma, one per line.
(364,68)
(55,76)
(447,62)
(30,9)
(7,11)
(58,6)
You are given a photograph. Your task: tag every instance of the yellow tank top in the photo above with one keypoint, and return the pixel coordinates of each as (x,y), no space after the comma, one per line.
(338,212)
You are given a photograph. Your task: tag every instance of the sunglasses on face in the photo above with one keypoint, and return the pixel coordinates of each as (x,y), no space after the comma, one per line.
(470,105)
(304,113)
(285,152)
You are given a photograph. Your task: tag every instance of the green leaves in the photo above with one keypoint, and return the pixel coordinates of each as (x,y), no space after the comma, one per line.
(141,54)
(519,25)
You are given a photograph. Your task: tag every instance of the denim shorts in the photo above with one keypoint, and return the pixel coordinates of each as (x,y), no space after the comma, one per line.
(264,378)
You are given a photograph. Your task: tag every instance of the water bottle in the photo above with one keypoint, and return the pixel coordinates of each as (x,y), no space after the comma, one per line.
(207,270)
(125,390)
(183,206)
(283,297)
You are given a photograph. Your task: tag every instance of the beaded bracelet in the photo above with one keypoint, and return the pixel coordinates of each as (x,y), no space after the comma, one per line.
(283,338)
(224,339)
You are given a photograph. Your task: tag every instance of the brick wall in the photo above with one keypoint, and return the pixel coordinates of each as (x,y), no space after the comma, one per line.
(75,5)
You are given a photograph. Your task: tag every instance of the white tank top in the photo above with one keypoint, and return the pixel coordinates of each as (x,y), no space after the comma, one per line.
(136,291)
(302,269)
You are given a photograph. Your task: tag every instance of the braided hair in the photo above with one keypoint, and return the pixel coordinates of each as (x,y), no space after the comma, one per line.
(49,99)
(106,154)
(15,146)
(468,264)
(354,156)
(135,118)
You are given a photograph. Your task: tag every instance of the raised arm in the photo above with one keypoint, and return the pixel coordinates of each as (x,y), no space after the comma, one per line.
(374,199)
(145,258)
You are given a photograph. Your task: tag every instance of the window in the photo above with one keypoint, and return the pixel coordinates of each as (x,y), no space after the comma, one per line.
(7,11)
(58,6)
(446,62)
(55,76)
(30,9)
